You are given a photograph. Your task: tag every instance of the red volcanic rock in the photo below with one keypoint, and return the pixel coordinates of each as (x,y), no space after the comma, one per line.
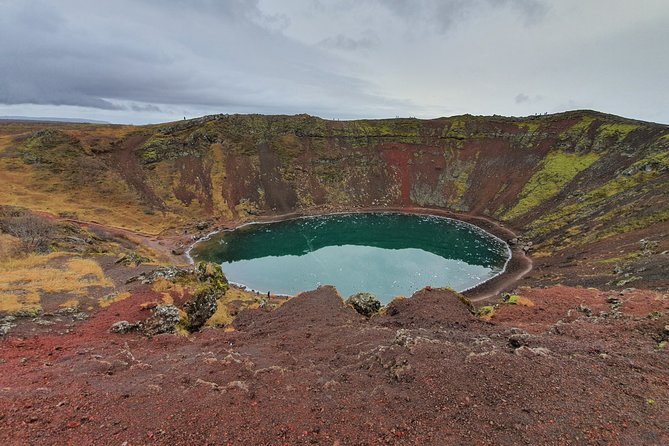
(429,308)
(314,371)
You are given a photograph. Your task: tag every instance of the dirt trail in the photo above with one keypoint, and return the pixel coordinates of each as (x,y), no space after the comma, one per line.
(159,243)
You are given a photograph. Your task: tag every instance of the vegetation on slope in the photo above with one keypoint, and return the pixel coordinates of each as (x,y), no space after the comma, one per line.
(568,179)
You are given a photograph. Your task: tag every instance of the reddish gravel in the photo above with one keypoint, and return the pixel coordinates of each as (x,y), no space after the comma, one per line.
(315,372)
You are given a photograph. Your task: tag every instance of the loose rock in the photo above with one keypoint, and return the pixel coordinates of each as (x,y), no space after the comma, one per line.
(364,303)
(122,327)
(202,307)
(165,319)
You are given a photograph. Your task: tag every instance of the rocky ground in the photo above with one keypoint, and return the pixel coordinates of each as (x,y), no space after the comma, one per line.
(564,366)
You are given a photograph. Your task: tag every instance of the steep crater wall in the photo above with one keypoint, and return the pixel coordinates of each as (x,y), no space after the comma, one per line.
(588,190)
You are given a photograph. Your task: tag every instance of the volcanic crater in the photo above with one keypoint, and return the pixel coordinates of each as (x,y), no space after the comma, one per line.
(566,347)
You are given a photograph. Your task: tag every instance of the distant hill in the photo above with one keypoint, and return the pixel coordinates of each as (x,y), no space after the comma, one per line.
(42,119)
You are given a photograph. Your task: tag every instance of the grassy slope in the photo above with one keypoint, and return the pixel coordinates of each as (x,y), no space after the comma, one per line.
(568,179)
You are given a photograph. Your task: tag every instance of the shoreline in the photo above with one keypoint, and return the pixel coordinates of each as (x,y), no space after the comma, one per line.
(517,266)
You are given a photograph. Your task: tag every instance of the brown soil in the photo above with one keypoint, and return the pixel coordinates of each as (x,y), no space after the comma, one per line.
(315,372)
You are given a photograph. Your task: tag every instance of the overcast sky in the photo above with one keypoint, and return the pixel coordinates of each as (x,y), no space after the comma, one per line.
(140,61)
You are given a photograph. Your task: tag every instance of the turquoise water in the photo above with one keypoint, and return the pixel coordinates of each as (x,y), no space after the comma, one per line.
(385,254)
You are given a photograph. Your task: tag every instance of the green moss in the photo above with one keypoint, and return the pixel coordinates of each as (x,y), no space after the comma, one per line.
(618,131)
(628,219)
(457,130)
(460,186)
(639,173)
(619,259)
(512,299)
(54,148)
(654,315)
(529,127)
(633,223)
(398,128)
(590,201)
(212,276)
(455,181)
(557,170)
(578,129)
(486,312)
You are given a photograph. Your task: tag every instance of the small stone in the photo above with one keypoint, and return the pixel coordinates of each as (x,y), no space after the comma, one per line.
(518,340)
(585,310)
(403,337)
(364,303)
(614,300)
(122,327)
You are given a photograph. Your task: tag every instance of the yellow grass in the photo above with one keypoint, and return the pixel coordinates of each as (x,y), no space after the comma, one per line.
(87,267)
(28,261)
(524,301)
(108,199)
(9,246)
(21,301)
(222,316)
(71,303)
(23,185)
(23,280)
(168,290)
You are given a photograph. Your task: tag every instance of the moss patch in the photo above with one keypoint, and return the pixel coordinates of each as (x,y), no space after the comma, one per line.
(618,131)
(486,313)
(558,169)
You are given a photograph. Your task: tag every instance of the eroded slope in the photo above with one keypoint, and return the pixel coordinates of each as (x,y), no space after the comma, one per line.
(582,186)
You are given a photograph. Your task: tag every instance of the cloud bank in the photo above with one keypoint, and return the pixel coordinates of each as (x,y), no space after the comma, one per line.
(150,60)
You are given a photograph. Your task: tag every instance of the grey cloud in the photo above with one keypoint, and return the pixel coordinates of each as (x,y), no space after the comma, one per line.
(444,14)
(202,53)
(151,60)
(342,42)
(522,98)
(531,10)
(145,108)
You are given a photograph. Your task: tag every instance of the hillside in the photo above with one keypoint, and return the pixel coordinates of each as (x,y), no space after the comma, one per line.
(580,185)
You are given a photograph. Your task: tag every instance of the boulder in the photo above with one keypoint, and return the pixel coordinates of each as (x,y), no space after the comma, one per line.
(202,307)
(165,319)
(211,273)
(6,324)
(364,303)
(122,327)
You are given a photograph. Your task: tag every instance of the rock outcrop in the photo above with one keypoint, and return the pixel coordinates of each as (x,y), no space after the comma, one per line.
(364,303)
(165,319)
(204,303)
